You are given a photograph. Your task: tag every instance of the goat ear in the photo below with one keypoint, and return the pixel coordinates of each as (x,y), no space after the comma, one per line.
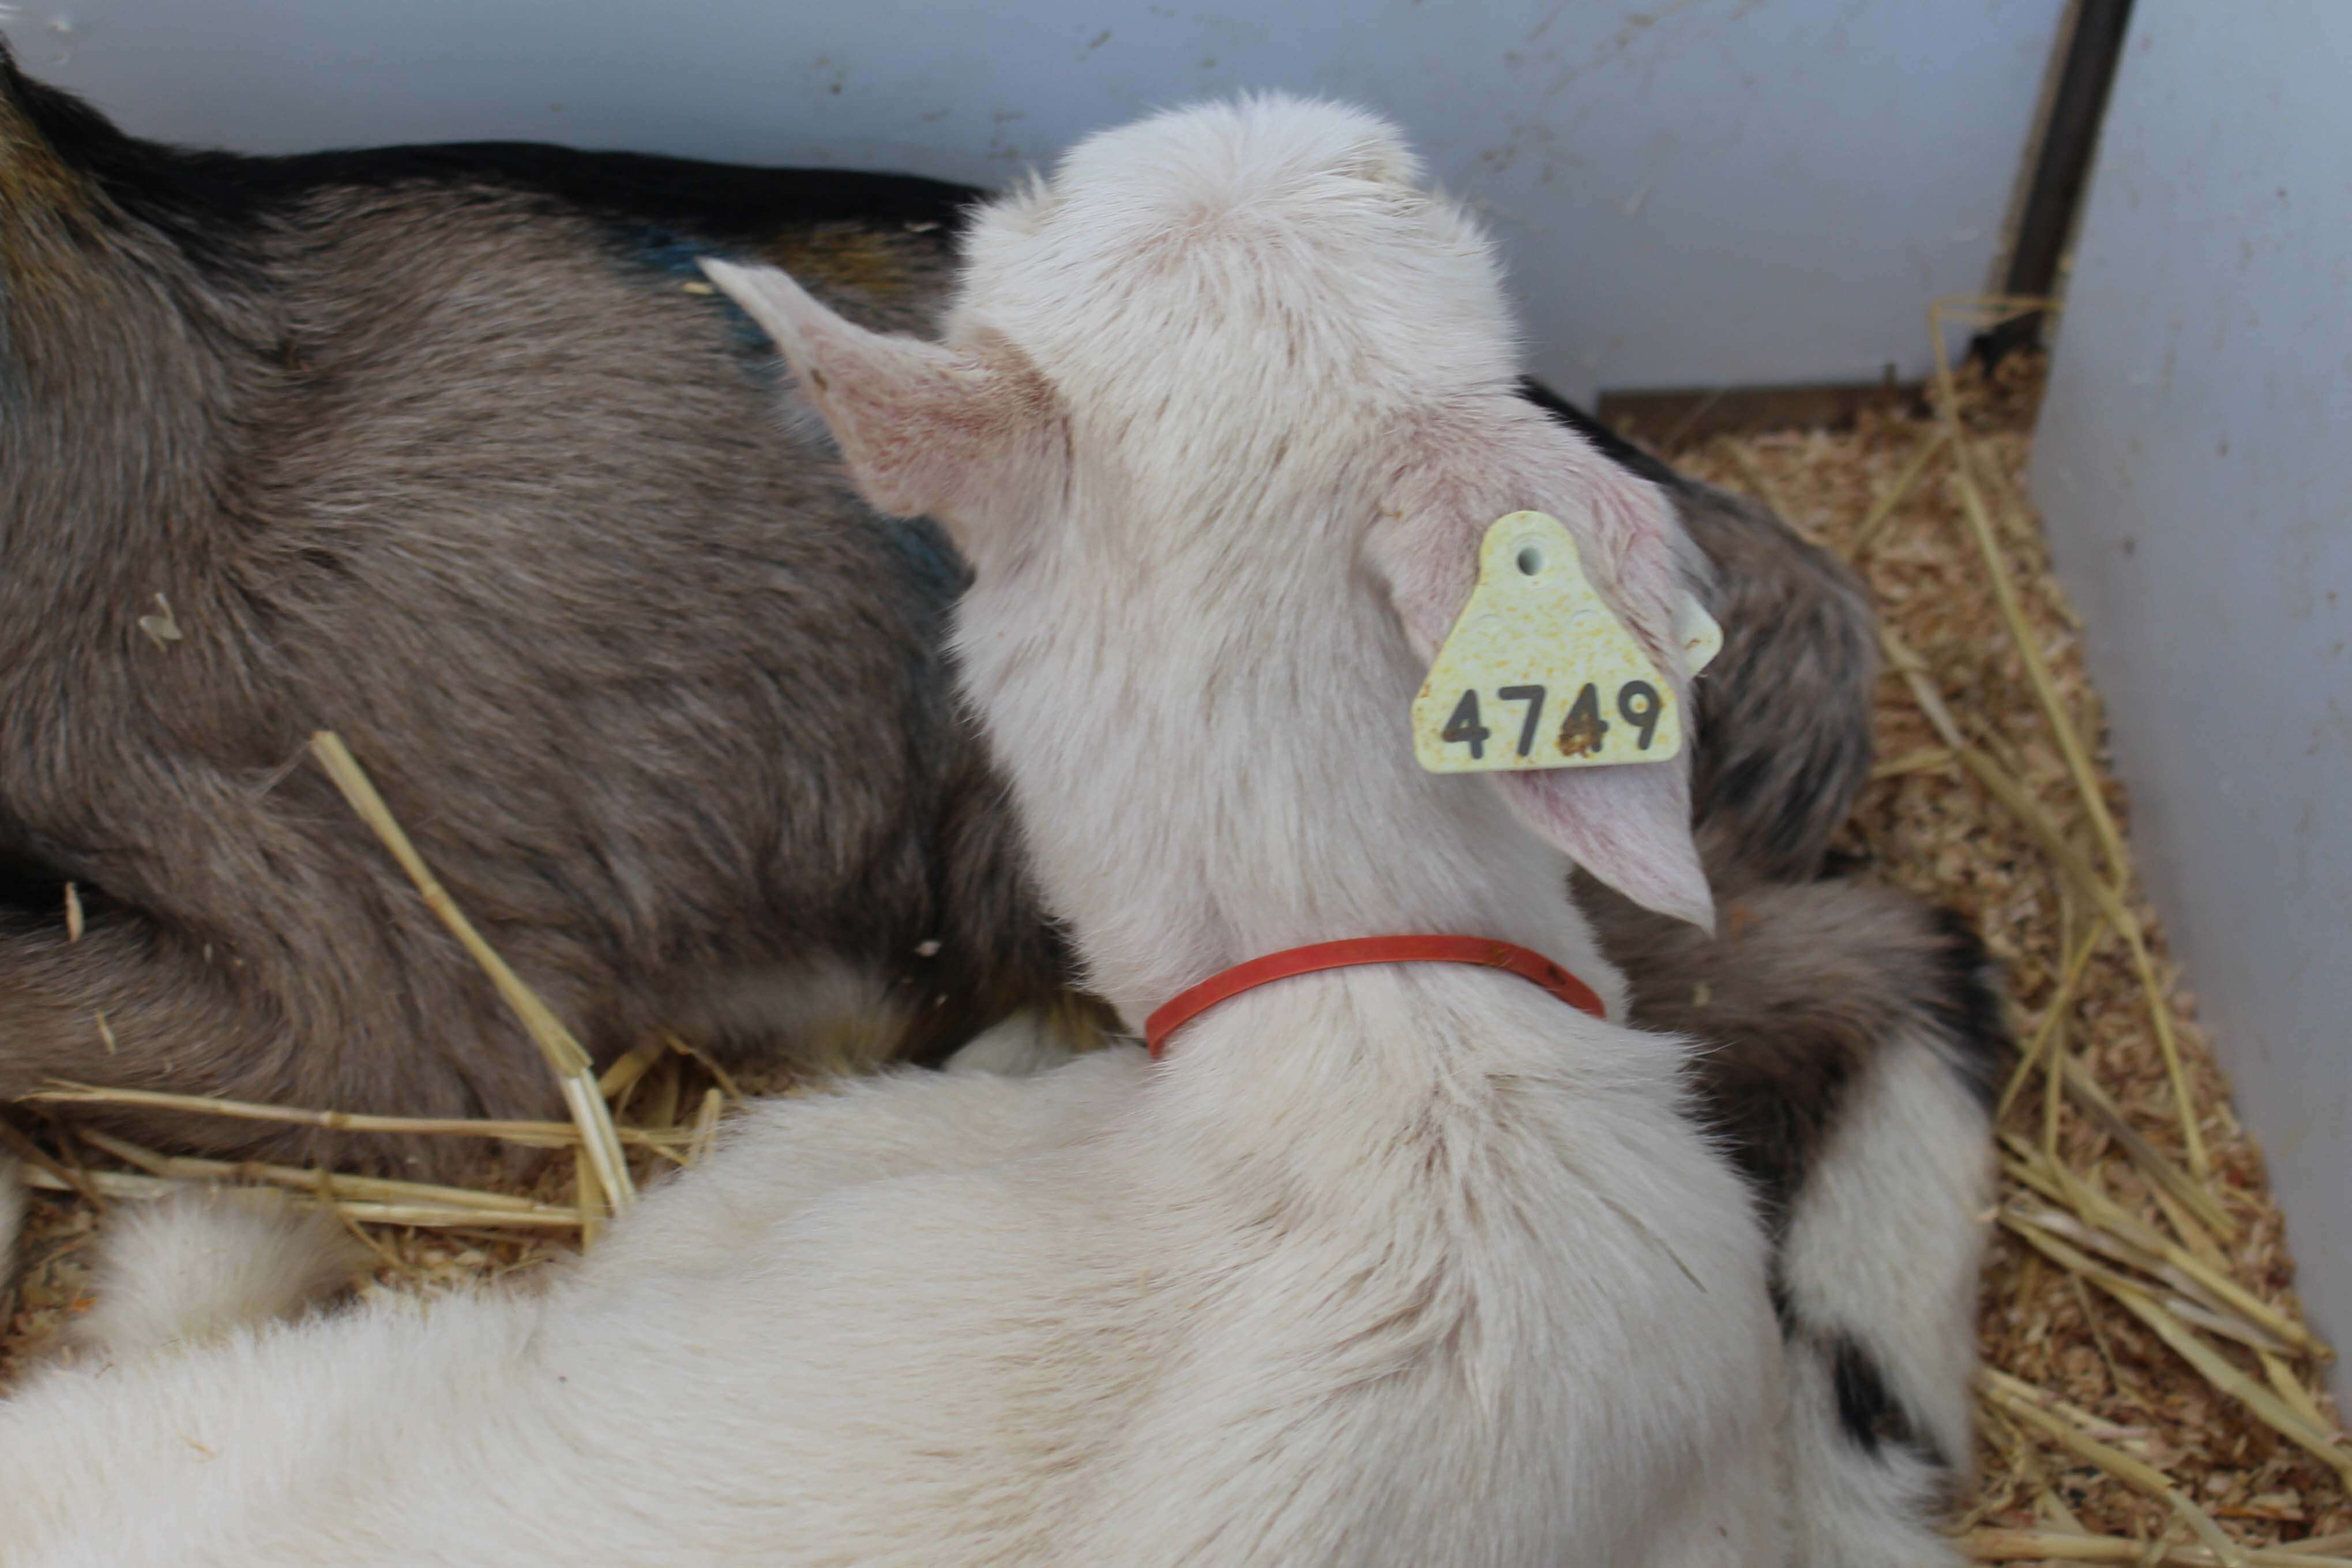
(922,427)
(1628,825)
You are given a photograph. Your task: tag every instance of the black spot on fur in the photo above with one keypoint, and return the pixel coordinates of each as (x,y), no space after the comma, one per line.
(1868,1411)
(29,887)
(34,870)
(1965,1006)
(1839,862)
(1784,1311)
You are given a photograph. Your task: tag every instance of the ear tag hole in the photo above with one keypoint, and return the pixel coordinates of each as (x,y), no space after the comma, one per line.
(1539,672)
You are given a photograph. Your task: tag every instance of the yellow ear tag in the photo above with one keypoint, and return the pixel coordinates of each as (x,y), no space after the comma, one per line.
(1538,672)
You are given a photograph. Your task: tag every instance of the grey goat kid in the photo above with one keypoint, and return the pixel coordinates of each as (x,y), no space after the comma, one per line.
(450,450)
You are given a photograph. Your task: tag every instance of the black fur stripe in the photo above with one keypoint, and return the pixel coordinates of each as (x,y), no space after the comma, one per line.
(1967,1007)
(1869,1412)
(1610,444)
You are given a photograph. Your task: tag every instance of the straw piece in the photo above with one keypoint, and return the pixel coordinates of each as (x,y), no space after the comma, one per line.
(2042,1398)
(661,1100)
(42,1160)
(433,1217)
(1914,671)
(2015,798)
(531,1134)
(706,1127)
(2291,1389)
(2053,1042)
(2123,1383)
(600,1144)
(107,1184)
(384,1256)
(630,1068)
(2052,1507)
(2175,1071)
(133,1184)
(588,1199)
(1883,509)
(562,1053)
(381,1189)
(1926,759)
(2021,1469)
(2053,1016)
(1992,309)
(2185,1225)
(2023,806)
(2145,1155)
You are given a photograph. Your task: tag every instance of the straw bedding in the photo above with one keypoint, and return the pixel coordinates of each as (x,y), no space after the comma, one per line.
(2150,1392)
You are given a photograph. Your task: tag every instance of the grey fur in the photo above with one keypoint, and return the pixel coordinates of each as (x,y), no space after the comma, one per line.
(1785,708)
(444,466)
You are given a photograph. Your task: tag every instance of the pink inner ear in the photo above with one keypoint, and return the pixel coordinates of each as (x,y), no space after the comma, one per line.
(921,427)
(1630,825)
(1464,468)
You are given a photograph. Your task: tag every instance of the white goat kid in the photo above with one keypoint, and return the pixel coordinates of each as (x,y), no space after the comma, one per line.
(1404,1265)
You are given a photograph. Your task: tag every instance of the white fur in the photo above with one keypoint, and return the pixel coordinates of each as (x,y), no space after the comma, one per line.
(1018,1047)
(1884,1245)
(194,1265)
(1384,1266)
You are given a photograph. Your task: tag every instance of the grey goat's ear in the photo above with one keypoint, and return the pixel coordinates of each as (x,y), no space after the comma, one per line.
(923,428)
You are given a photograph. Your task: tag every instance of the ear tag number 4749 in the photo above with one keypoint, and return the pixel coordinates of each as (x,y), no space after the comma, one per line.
(1538,672)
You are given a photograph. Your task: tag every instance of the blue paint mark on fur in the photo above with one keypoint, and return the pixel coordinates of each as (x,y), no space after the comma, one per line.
(666,250)
(669,254)
(933,575)
(931,564)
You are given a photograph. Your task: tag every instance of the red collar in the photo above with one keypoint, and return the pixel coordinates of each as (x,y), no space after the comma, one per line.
(1482,951)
